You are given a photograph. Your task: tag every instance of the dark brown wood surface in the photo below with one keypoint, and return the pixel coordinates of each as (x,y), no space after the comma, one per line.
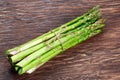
(95,59)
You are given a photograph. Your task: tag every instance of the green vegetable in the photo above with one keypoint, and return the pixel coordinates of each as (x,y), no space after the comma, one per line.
(27,57)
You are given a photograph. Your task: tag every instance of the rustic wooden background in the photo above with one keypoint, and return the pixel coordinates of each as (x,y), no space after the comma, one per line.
(95,59)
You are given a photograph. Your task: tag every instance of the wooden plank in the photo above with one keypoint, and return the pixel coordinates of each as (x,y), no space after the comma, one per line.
(95,59)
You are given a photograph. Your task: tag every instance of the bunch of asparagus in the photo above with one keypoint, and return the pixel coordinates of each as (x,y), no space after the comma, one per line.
(27,57)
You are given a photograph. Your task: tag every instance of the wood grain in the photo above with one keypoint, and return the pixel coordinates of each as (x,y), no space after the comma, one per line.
(95,59)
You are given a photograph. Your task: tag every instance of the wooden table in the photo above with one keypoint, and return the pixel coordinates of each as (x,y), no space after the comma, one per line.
(95,59)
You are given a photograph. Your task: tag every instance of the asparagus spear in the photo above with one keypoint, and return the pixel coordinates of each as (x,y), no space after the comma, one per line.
(31,55)
(53,53)
(97,23)
(26,52)
(46,36)
(36,66)
(42,51)
(39,52)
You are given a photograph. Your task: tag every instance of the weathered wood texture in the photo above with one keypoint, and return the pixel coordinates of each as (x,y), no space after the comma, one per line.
(95,59)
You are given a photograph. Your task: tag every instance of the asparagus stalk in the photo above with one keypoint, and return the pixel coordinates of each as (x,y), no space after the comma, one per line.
(31,55)
(42,51)
(53,53)
(26,52)
(48,57)
(97,23)
(19,56)
(30,58)
(29,71)
(46,36)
